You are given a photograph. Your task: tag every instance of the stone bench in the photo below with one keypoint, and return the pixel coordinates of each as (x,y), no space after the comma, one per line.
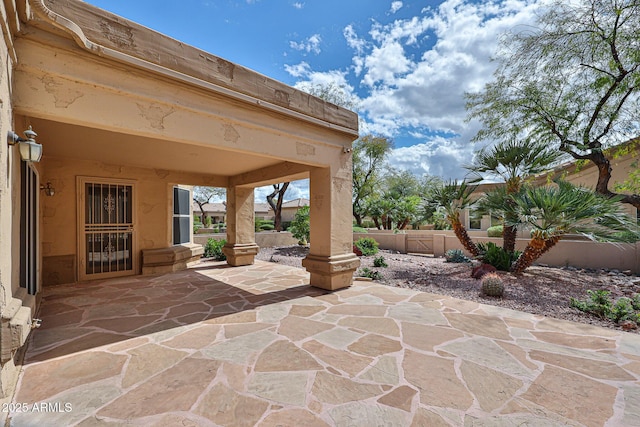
(168,260)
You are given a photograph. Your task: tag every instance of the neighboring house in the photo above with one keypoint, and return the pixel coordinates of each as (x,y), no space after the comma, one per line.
(290,208)
(128,121)
(578,174)
(263,211)
(218,211)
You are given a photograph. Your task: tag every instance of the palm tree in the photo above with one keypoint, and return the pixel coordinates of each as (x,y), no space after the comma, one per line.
(512,160)
(554,210)
(454,197)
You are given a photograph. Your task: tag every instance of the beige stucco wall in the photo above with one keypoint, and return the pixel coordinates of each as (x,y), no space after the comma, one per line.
(152,209)
(573,252)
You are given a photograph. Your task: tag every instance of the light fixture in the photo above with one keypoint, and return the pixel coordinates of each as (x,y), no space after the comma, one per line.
(48,189)
(30,150)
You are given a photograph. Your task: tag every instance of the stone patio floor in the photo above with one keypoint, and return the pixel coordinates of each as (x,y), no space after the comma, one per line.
(255,345)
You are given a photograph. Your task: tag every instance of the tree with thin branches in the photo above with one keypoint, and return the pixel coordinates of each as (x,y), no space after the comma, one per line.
(572,82)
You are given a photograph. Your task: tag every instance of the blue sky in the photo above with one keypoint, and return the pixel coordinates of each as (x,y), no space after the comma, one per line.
(406,63)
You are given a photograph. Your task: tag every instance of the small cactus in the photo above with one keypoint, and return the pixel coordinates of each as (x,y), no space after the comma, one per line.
(492,285)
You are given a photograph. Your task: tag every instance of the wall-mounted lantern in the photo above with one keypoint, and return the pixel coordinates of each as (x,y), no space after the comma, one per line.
(30,150)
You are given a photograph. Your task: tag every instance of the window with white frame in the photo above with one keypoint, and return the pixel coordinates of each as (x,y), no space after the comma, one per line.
(181,215)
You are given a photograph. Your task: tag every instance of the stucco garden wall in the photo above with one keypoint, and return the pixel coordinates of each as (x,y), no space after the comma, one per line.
(576,253)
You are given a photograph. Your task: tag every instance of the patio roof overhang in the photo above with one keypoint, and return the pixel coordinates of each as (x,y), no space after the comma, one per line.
(162,104)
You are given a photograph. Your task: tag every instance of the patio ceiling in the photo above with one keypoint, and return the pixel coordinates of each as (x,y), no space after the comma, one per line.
(65,140)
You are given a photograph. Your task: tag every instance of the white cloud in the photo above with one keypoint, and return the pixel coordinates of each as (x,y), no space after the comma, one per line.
(396,6)
(411,76)
(310,45)
(301,70)
(296,190)
(298,5)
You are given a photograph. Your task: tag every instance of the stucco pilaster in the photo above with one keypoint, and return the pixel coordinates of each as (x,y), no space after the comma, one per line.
(241,247)
(331,261)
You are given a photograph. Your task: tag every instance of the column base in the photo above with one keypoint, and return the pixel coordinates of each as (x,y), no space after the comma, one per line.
(240,254)
(331,272)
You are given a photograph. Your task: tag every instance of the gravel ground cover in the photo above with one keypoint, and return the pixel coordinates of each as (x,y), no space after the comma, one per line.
(540,290)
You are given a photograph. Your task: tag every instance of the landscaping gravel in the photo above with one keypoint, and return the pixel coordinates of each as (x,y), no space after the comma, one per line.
(540,290)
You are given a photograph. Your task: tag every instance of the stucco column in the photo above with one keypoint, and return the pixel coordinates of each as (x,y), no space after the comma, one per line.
(241,247)
(331,261)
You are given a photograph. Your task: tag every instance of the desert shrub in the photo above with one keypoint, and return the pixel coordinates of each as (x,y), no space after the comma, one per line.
(456,256)
(622,310)
(207,221)
(599,303)
(300,228)
(367,245)
(371,274)
(495,231)
(263,224)
(367,223)
(285,225)
(380,262)
(492,285)
(213,249)
(357,229)
(490,253)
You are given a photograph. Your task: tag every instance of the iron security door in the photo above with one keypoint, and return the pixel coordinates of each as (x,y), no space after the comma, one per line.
(107,238)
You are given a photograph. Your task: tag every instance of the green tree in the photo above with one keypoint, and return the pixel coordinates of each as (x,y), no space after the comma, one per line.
(203,195)
(571,82)
(369,155)
(454,197)
(554,210)
(512,160)
(300,227)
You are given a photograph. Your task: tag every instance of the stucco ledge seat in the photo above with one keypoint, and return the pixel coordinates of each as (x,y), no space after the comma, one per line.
(174,258)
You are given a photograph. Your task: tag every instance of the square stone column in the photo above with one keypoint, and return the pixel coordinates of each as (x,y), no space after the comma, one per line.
(241,247)
(331,261)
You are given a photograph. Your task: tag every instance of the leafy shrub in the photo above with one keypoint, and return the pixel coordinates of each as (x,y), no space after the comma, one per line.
(357,229)
(263,224)
(490,253)
(371,274)
(380,262)
(367,245)
(598,303)
(495,231)
(213,249)
(367,223)
(207,221)
(299,227)
(456,256)
(622,310)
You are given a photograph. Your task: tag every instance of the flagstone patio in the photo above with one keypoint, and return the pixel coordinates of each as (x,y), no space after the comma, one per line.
(255,345)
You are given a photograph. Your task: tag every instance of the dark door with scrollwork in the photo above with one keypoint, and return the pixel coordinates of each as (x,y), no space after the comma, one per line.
(107,240)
